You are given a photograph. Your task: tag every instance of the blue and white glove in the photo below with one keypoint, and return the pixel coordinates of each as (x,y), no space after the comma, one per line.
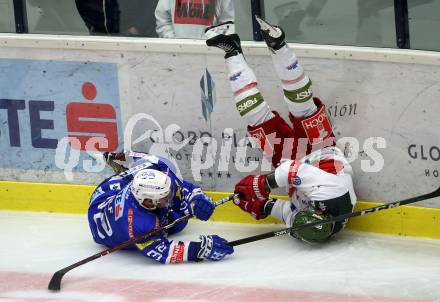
(201,206)
(213,247)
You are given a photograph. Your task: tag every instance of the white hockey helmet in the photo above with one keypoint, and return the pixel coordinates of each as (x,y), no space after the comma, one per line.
(152,189)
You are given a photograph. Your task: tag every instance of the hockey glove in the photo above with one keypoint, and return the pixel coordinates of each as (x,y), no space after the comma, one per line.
(254,207)
(201,207)
(253,187)
(110,158)
(213,247)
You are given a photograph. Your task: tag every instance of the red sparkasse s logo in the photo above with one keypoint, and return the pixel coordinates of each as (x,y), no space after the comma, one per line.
(85,121)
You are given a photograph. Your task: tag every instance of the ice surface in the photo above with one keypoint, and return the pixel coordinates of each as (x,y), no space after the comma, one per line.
(353,267)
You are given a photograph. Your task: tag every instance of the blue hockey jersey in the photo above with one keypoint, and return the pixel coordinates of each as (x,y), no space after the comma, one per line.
(115,215)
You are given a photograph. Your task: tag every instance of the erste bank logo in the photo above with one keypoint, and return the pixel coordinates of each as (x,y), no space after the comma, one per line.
(44,102)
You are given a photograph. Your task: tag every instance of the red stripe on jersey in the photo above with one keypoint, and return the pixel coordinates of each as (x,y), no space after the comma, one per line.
(245,88)
(293,170)
(130,223)
(330,166)
(294,81)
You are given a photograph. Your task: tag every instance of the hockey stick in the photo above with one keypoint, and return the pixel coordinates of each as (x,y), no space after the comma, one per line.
(55,281)
(434,194)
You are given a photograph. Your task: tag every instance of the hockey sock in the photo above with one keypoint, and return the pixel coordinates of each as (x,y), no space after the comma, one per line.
(248,99)
(298,93)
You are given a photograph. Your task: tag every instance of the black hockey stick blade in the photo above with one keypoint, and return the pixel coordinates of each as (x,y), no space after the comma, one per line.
(386,206)
(55,281)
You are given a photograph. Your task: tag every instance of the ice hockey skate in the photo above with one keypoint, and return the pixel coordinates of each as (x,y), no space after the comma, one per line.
(273,35)
(223,37)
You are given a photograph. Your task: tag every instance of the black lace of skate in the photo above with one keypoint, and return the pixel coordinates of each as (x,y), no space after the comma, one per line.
(226,47)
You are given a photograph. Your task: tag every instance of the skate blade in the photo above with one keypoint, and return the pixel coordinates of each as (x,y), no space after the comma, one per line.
(268,28)
(227,28)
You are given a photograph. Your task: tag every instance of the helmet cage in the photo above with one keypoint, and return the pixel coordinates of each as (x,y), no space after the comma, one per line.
(161,202)
(316,234)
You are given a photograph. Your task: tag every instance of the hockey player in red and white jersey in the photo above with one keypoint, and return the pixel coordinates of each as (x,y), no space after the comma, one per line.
(315,173)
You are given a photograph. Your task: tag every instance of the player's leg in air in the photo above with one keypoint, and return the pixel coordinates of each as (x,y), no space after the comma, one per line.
(265,125)
(316,176)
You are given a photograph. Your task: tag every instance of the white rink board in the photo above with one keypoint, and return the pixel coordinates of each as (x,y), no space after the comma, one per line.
(396,100)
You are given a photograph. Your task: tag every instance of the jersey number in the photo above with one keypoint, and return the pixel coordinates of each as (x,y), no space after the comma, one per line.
(101,220)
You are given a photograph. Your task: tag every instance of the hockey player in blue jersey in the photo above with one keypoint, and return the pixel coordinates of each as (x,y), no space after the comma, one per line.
(147,195)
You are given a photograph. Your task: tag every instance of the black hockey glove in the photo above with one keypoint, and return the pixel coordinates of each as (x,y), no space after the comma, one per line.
(110,158)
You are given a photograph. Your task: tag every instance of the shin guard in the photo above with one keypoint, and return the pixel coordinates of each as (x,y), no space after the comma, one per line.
(272,136)
(316,128)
